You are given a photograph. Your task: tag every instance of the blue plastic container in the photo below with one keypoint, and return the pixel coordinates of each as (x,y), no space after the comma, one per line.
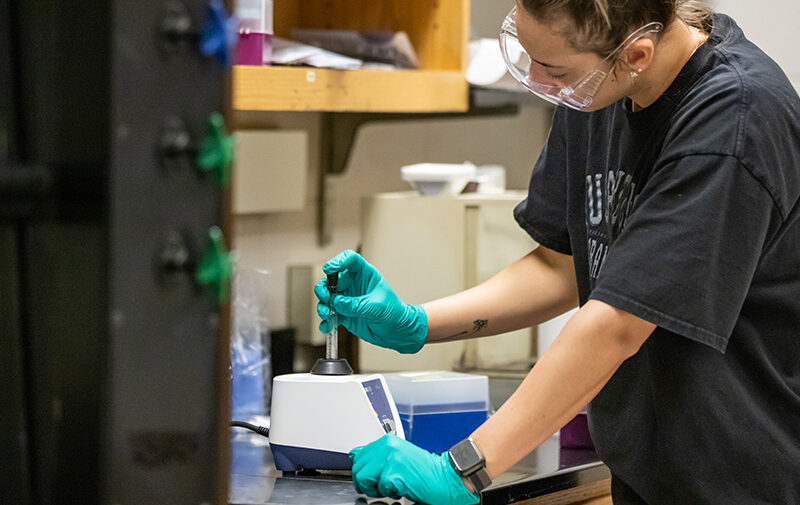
(439,430)
(439,409)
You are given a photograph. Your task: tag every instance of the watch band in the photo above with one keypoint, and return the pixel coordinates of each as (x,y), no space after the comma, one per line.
(480,479)
(468,461)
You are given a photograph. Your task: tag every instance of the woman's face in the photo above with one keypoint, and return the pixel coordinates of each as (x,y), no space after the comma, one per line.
(554,62)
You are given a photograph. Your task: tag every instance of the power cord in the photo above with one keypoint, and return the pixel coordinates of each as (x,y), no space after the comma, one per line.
(261,430)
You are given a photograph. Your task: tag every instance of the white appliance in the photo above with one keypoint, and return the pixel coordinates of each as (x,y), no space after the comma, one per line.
(427,247)
(317,419)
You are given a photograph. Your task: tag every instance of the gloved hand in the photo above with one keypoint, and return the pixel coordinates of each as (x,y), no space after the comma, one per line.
(368,307)
(392,467)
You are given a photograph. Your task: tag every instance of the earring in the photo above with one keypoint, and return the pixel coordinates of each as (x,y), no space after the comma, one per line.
(635,73)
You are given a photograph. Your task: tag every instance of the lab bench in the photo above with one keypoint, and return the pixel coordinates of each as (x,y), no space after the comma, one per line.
(549,475)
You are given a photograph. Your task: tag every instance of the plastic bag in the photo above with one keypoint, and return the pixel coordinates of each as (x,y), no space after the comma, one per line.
(250,345)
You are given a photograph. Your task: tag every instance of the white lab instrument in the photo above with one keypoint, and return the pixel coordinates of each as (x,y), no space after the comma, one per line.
(461,241)
(317,419)
(438,178)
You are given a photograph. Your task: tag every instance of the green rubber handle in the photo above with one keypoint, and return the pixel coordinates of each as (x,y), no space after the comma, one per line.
(217,151)
(215,268)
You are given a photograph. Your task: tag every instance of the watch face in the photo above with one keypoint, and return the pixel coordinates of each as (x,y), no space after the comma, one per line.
(466,457)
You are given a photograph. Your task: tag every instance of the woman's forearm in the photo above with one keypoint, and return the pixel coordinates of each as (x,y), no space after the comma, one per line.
(587,352)
(533,289)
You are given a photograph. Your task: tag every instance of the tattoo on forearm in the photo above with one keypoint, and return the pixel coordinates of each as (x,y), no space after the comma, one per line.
(477,326)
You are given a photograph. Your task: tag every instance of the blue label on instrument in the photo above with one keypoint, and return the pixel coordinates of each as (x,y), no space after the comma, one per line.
(380,404)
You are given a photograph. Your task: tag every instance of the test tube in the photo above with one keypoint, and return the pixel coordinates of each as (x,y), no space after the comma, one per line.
(332,338)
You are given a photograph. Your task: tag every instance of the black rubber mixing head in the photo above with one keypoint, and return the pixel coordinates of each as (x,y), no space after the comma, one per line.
(331,367)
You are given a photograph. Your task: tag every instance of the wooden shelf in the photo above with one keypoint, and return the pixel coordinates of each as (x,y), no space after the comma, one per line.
(308,89)
(438,31)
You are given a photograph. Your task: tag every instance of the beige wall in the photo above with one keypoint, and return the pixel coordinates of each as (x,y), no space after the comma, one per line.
(274,241)
(771,25)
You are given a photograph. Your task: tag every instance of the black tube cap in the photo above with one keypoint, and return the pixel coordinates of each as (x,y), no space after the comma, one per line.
(333,281)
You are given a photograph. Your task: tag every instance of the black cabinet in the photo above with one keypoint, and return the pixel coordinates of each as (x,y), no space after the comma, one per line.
(113,347)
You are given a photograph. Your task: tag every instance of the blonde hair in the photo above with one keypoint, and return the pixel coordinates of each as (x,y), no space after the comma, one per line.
(601,25)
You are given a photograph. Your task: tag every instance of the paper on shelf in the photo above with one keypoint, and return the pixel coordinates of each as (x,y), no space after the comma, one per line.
(289,52)
(389,48)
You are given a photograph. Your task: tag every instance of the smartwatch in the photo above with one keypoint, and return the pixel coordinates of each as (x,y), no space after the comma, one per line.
(469,462)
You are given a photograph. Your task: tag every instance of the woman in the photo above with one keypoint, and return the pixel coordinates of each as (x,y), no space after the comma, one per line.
(666,206)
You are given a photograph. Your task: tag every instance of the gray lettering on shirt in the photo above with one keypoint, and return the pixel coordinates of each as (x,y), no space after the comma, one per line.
(595,199)
(607,209)
(597,255)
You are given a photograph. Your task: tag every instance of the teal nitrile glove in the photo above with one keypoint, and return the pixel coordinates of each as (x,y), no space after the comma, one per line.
(368,307)
(393,468)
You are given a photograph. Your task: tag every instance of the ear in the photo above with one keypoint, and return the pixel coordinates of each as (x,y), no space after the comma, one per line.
(639,55)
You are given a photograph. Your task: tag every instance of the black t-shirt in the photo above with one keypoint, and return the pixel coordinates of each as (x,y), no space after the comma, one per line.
(686,214)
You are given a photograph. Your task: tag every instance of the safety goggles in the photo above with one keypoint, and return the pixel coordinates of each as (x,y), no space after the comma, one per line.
(580,94)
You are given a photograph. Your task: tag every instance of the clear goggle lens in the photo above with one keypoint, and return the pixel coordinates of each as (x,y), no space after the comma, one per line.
(578,95)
